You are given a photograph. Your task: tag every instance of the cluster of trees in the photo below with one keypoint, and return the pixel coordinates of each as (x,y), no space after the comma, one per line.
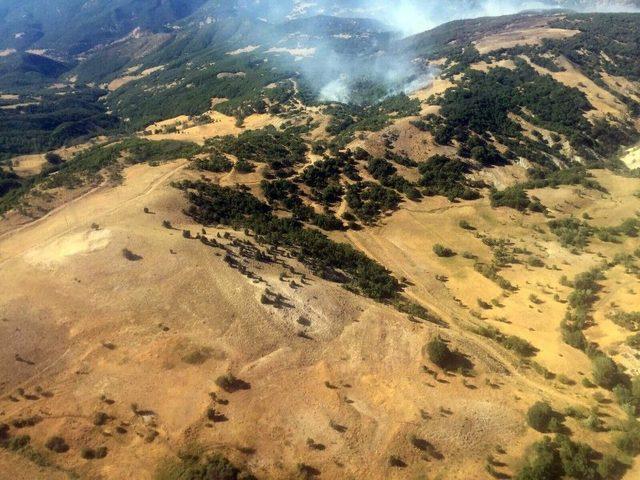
(216,163)
(605,371)
(47,121)
(280,149)
(204,66)
(581,300)
(212,204)
(441,175)
(368,114)
(573,175)
(602,39)
(196,466)
(8,181)
(386,173)
(518,345)
(89,163)
(515,197)
(483,102)
(369,200)
(572,232)
(577,234)
(554,459)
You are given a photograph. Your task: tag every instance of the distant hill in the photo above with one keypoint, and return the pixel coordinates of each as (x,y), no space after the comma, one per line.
(75,26)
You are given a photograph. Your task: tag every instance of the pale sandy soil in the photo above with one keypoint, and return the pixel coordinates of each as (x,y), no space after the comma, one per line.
(631,157)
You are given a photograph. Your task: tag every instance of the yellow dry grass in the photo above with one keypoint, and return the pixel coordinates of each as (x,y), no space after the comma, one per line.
(71,291)
(220,125)
(521,36)
(122,81)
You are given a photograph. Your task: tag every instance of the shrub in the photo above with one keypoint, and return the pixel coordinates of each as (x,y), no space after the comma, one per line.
(466,225)
(634,341)
(542,463)
(17,443)
(196,355)
(629,440)
(539,416)
(53,158)
(93,453)
(535,262)
(439,352)
(442,251)
(605,372)
(610,467)
(129,255)
(196,467)
(100,418)
(230,383)
(57,444)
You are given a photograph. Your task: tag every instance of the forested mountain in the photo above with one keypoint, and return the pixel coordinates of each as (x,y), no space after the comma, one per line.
(75,26)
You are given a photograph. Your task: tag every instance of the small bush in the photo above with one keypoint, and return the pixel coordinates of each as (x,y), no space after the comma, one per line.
(53,158)
(195,467)
(57,444)
(93,453)
(129,255)
(442,251)
(540,415)
(439,352)
(629,440)
(605,372)
(229,383)
(466,225)
(100,418)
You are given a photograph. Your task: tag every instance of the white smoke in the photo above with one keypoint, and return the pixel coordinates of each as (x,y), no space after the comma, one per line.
(415,16)
(337,90)
(333,73)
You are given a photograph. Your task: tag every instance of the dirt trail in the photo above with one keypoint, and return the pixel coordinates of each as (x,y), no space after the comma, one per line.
(59,210)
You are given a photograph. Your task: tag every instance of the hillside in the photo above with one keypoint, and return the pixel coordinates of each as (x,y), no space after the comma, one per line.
(238,260)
